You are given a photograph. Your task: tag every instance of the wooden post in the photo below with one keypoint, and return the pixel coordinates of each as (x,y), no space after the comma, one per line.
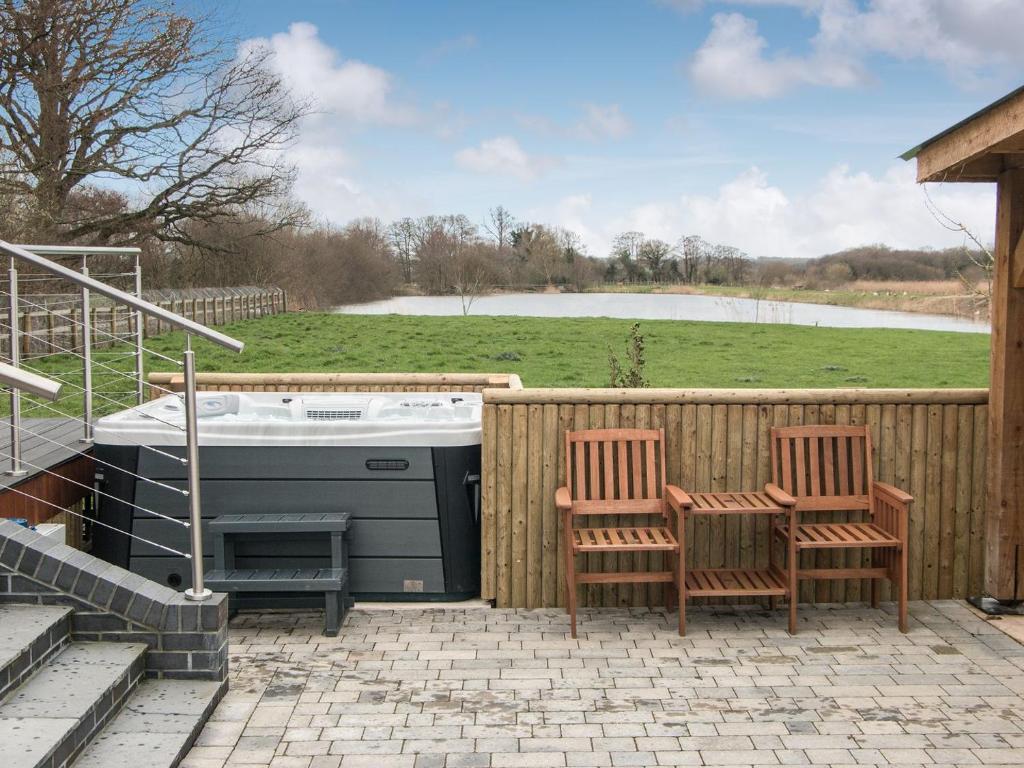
(1004,560)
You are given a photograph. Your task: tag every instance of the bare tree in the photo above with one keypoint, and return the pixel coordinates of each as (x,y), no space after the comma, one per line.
(405,237)
(138,92)
(500,225)
(472,273)
(691,250)
(982,257)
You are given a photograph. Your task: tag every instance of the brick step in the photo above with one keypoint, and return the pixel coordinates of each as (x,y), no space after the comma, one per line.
(156,726)
(49,718)
(29,635)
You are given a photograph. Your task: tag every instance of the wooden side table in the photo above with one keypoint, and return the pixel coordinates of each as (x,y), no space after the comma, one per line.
(770,582)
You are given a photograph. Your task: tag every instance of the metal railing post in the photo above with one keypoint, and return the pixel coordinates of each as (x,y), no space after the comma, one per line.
(16,469)
(140,320)
(195,513)
(86,359)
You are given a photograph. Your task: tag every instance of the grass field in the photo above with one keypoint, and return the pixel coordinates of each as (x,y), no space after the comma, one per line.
(572,352)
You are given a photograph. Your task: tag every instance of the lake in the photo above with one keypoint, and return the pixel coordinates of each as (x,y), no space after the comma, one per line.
(665,306)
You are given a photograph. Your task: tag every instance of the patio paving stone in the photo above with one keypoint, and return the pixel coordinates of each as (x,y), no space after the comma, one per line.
(443,687)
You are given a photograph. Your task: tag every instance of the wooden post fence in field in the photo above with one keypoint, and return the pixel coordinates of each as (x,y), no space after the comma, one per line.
(929,442)
(59,328)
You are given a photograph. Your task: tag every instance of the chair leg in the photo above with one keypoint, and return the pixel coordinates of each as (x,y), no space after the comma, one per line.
(682,605)
(570,590)
(874,593)
(792,565)
(771,562)
(903,588)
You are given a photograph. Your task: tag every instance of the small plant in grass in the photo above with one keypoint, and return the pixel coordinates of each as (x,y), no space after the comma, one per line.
(632,377)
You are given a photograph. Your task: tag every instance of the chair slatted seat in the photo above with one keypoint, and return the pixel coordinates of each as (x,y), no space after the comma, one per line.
(624,539)
(828,470)
(619,473)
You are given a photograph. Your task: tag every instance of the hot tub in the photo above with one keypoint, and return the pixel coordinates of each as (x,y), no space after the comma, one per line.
(405,465)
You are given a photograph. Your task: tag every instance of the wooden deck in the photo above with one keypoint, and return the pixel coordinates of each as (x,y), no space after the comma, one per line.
(41,450)
(51,458)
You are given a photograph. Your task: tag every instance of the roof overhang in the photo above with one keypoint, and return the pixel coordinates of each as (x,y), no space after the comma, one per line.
(978,148)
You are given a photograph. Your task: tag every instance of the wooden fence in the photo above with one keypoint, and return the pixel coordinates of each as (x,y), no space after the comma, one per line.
(931,443)
(336,382)
(59,327)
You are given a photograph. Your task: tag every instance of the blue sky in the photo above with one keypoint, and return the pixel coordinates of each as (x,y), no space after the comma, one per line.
(773,126)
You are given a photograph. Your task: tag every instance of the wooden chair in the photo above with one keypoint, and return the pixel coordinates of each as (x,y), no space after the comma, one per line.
(619,472)
(828,469)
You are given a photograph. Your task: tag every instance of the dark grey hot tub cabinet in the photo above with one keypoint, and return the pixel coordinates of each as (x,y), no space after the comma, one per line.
(415,513)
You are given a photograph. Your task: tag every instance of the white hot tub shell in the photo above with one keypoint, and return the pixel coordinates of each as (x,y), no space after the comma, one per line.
(405,465)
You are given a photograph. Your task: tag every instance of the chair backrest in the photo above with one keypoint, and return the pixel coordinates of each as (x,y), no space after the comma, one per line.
(616,471)
(825,467)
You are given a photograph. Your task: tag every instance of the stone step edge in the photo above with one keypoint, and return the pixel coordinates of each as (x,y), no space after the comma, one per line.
(48,643)
(104,750)
(105,707)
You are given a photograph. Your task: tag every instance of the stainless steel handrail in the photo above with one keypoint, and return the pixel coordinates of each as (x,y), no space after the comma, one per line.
(34,255)
(33,383)
(197,329)
(79,250)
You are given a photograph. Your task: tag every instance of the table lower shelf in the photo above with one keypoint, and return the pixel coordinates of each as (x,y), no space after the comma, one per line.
(736,582)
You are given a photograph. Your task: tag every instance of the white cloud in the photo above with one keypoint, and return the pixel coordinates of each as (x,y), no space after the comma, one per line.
(732,63)
(501,156)
(346,95)
(972,40)
(844,210)
(345,89)
(598,122)
(603,121)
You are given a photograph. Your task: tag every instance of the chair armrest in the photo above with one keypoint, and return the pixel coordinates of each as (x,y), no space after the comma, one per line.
(779,496)
(563,500)
(895,495)
(678,499)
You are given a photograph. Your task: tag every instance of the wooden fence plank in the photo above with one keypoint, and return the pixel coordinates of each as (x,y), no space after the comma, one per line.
(947,500)
(978,500)
(932,504)
(918,512)
(549,483)
(534,506)
(962,505)
(489,500)
(503,514)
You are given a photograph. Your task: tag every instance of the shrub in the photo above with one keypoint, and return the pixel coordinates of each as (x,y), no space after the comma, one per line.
(634,377)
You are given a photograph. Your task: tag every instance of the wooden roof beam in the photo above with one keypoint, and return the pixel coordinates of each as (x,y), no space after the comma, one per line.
(943,158)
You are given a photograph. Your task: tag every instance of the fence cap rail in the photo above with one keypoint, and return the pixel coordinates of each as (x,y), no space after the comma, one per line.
(736,396)
(426,379)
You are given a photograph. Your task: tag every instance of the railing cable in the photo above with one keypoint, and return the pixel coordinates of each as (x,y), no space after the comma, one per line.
(120,404)
(105,463)
(180,459)
(100,523)
(66,351)
(71,319)
(97,491)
